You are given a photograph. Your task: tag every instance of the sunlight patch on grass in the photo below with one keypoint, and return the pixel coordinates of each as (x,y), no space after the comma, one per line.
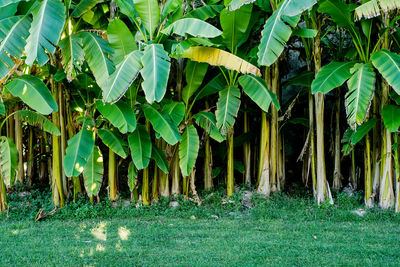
(100,231)
(123,233)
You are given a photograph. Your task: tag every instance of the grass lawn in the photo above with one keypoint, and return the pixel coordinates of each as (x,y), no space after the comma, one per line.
(123,242)
(279,231)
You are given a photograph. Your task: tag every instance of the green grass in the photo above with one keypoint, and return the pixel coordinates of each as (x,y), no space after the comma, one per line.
(283,230)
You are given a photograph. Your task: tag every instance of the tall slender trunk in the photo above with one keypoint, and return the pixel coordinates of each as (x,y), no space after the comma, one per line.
(275,185)
(323,190)
(386,194)
(155,183)
(63,140)
(397,178)
(375,152)
(208,182)
(163,185)
(176,173)
(19,144)
(31,164)
(56,182)
(368,197)
(246,152)
(264,184)
(337,175)
(112,175)
(230,178)
(146,178)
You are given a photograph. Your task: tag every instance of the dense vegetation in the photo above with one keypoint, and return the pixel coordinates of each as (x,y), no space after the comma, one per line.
(161,98)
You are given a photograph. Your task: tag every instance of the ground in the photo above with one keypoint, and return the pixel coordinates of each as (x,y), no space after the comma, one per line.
(280,231)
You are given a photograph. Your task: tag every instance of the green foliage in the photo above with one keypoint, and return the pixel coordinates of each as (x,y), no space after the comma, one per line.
(331,76)
(113,141)
(188,150)
(391,118)
(194,27)
(227,108)
(93,172)
(121,40)
(140,146)
(8,160)
(119,114)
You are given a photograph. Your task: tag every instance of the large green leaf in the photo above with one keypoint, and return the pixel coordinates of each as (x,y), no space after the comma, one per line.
(8,2)
(162,124)
(331,76)
(176,110)
(132,176)
(149,12)
(358,98)
(214,86)
(391,117)
(155,72)
(207,121)
(47,25)
(236,4)
(2,108)
(205,12)
(120,114)
(113,141)
(122,78)
(159,157)
(78,151)
(362,131)
(72,55)
(278,29)
(121,40)
(140,145)
(256,88)
(227,108)
(388,65)
(188,150)
(192,26)
(13,34)
(127,7)
(97,53)
(8,160)
(82,7)
(93,172)
(33,92)
(195,73)
(339,11)
(234,25)
(38,120)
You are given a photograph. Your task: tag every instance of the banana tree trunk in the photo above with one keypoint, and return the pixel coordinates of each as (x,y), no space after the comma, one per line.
(397,171)
(112,175)
(61,111)
(275,186)
(230,179)
(208,182)
(246,152)
(368,197)
(31,166)
(155,183)
(146,178)
(337,175)
(323,190)
(264,185)
(176,173)
(19,144)
(56,182)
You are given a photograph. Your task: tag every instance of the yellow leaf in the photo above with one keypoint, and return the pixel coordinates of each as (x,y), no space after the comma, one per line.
(218,57)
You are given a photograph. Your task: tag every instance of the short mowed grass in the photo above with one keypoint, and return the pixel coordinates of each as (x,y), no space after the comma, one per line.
(282,230)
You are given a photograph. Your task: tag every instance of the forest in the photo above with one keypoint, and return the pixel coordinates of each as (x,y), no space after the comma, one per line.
(151,99)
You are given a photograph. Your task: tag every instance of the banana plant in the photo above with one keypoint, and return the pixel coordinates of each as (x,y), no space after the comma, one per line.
(361,78)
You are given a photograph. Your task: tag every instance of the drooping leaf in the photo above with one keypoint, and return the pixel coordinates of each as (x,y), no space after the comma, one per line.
(205,12)
(339,11)
(97,53)
(72,55)
(218,57)
(362,131)
(127,7)
(125,73)
(176,110)
(149,13)
(227,108)
(214,86)
(33,92)
(132,176)
(121,40)
(82,7)
(78,151)
(13,34)
(93,172)
(113,141)
(391,117)
(162,124)
(305,33)
(236,4)
(159,157)
(155,72)
(120,114)
(8,160)
(234,25)
(170,7)
(192,26)
(256,88)
(207,121)
(188,150)
(45,32)
(371,9)
(195,73)
(388,65)
(331,76)
(140,146)
(2,108)
(38,120)
(358,98)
